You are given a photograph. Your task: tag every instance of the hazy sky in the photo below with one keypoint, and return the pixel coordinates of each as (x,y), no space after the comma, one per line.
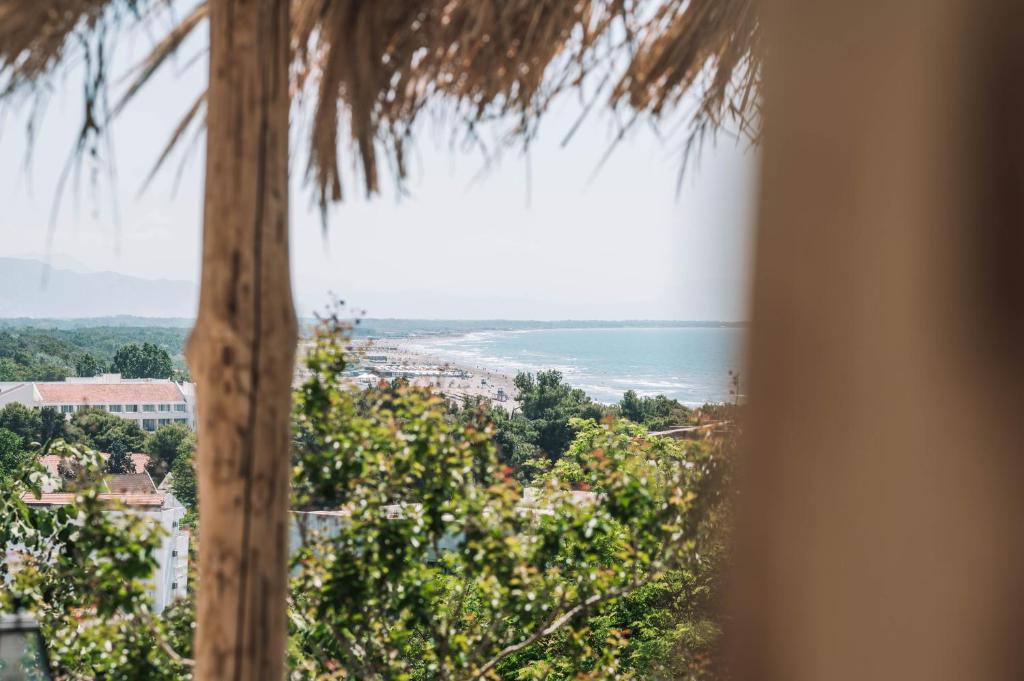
(618,245)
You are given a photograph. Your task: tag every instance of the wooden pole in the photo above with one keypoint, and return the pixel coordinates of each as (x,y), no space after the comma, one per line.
(243,347)
(881,533)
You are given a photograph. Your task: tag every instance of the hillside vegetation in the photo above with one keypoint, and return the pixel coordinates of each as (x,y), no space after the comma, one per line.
(34,354)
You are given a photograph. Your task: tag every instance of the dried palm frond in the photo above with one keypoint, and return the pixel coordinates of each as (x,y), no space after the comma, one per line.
(34,36)
(376,66)
(684,41)
(38,36)
(370,69)
(162,51)
(382,63)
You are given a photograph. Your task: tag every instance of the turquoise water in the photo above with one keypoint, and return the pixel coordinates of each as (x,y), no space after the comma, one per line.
(689,364)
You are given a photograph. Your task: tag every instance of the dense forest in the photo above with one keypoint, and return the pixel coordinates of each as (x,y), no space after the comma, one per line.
(51,354)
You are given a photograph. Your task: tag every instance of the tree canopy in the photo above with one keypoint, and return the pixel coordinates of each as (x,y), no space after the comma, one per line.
(142,361)
(106,432)
(24,421)
(656,413)
(164,446)
(87,365)
(183,475)
(539,430)
(29,353)
(12,454)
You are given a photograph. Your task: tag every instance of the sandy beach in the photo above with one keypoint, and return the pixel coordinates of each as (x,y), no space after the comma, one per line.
(393,356)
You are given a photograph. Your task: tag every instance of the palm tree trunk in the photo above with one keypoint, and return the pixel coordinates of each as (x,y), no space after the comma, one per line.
(882,535)
(243,347)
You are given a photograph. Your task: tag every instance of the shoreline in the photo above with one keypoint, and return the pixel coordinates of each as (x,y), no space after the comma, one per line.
(415,357)
(394,356)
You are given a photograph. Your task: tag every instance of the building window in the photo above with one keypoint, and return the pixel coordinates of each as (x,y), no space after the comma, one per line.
(114,407)
(174,553)
(165,422)
(181,420)
(131,407)
(149,407)
(174,586)
(67,408)
(149,424)
(180,407)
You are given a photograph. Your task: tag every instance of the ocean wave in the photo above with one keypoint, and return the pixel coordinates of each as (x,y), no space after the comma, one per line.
(638,383)
(602,366)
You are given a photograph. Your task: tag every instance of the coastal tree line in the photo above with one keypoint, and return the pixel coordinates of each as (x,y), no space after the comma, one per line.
(32,354)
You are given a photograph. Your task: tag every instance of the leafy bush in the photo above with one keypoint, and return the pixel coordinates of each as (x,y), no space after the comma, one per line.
(106,432)
(82,570)
(438,565)
(142,361)
(164,446)
(427,558)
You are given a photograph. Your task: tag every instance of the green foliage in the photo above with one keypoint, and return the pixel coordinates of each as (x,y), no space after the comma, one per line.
(548,403)
(10,370)
(516,439)
(12,455)
(655,413)
(82,570)
(540,428)
(163,447)
(667,628)
(432,560)
(106,432)
(179,619)
(87,365)
(142,361)
(183,474)
(23,421)
(31,356)
(52,425)
(120,460)
(50,354)
(437,566)
(33,425)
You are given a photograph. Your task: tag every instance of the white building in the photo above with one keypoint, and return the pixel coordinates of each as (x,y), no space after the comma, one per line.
(150,402)
(137,495)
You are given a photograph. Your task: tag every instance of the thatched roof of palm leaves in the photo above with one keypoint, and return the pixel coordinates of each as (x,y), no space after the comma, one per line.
(367,71)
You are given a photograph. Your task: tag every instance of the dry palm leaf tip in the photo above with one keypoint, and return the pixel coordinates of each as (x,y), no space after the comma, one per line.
(367,70)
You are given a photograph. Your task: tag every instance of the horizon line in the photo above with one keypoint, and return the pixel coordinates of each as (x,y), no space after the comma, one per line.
(589,320)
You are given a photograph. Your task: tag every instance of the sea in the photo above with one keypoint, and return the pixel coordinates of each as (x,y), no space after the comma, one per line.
(690,363)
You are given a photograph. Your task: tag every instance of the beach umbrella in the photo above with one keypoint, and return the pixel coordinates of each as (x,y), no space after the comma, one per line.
(362,73)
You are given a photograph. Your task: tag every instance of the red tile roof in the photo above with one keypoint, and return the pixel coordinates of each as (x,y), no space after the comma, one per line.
(64,498)
(109,393)
(51,462)
(133,483)
(140,461)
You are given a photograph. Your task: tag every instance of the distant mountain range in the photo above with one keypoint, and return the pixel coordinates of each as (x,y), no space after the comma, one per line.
(36,294)
(30,288)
